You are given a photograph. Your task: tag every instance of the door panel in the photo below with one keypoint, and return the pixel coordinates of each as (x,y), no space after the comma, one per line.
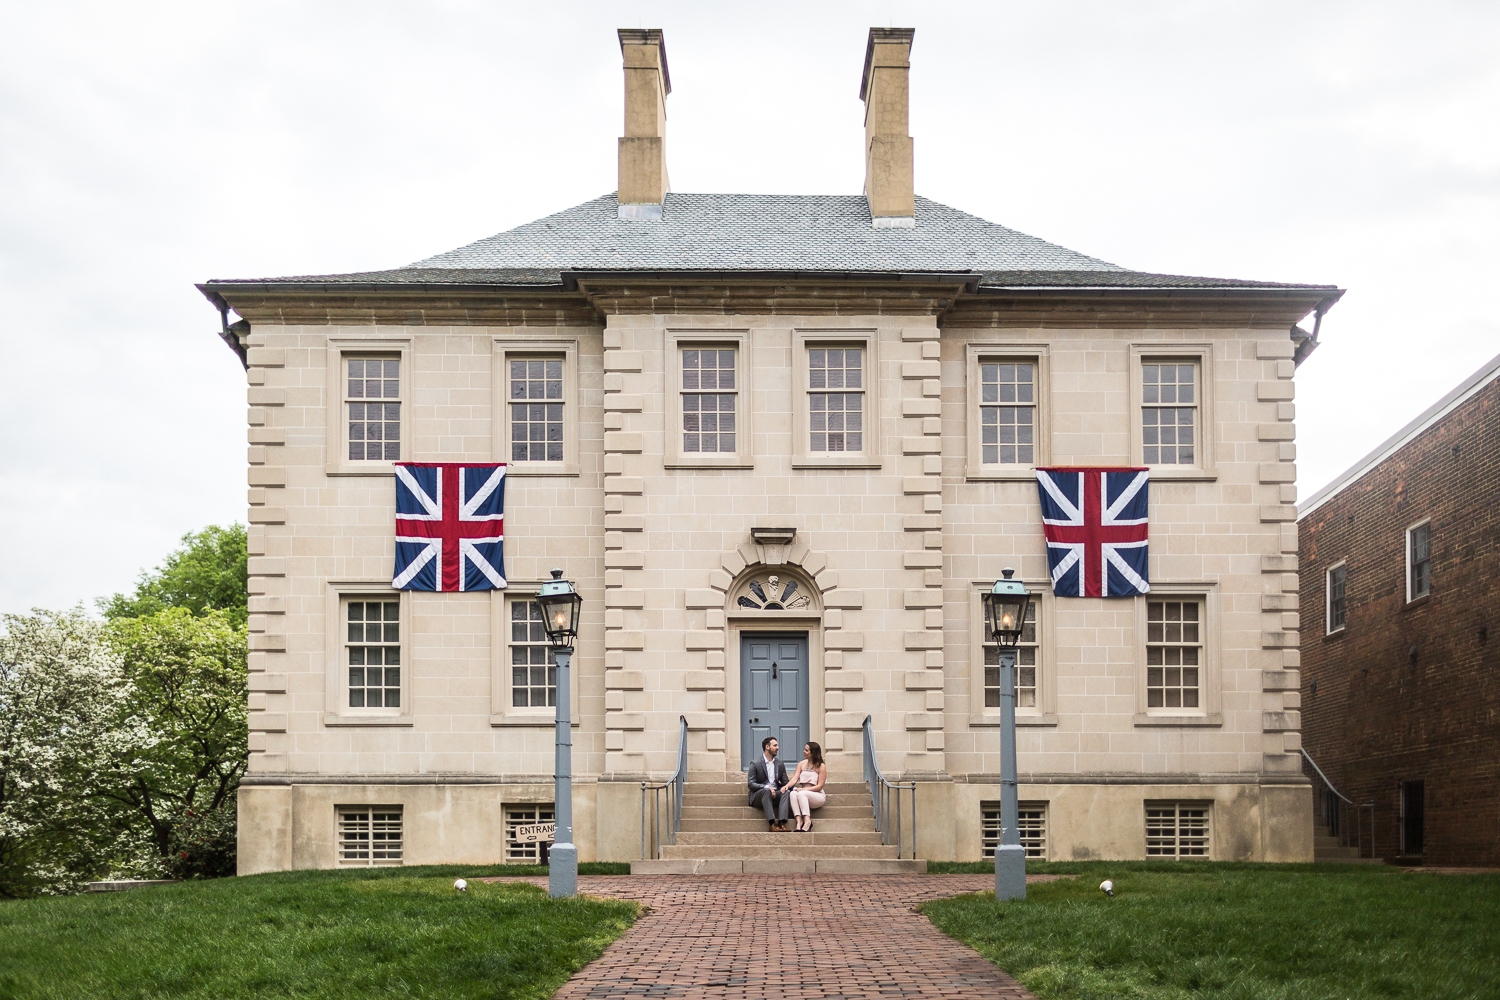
(773,694)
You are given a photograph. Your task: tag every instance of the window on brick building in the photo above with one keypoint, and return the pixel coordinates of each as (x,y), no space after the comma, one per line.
(1418,560)
(372,404)
(1177,830)
(1174,653)
(1028,655)
(1169,413)
(373,648)
(1031,825)
(369,835)
(710,401)
(1337,601)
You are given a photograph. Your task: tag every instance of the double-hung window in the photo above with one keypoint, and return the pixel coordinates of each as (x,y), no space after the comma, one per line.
(1335,584)
(1169,413)
(1028,651)
(1172,410)
(372,404)
(1418,560)
(374,653)
(533,672)
(1007,413)
(1174,648)
(710,401)
(368,682)
(536,409)
(836,400)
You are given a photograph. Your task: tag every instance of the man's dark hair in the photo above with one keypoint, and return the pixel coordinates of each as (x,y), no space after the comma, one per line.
(765,742)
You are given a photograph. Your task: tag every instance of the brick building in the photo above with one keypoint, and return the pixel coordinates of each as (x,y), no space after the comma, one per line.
(802,428)
(1401,672)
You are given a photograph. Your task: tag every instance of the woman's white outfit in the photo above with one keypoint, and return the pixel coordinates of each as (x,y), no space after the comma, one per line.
(804,800)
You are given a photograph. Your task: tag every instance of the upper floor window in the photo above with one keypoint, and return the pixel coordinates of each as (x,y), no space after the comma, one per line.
(1169,413)
(836,399)
(372,401)
(1007,413)
(1337,602)
(1028,651)
(709,401)
(374,653)
(536,409)
(1418,561)
(1174,647)
(533,672)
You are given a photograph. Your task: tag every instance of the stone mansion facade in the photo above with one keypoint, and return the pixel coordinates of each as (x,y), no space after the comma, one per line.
(753,426)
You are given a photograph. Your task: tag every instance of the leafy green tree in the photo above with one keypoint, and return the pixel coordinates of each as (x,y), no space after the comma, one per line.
(206,573)
(62,734)
(188,683)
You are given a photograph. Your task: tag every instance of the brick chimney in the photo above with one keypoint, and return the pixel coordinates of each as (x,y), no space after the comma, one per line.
(643,148)
(889,185)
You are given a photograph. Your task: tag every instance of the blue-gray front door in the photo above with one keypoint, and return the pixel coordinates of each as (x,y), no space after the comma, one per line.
(773,693)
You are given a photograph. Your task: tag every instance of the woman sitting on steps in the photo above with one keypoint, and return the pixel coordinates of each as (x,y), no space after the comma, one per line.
(806,786)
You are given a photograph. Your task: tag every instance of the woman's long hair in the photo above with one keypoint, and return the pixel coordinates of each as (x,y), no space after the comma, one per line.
(815,754)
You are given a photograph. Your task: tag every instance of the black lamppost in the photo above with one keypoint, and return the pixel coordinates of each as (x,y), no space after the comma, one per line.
(561,605)
(1005,607)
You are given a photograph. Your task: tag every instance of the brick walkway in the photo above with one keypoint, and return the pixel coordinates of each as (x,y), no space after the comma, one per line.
(836,937)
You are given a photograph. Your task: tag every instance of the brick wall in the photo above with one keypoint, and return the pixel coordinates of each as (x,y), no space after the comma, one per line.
(1411,691)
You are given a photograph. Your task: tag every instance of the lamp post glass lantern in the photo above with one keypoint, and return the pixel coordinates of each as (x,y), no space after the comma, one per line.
(561,607)
(1005,609)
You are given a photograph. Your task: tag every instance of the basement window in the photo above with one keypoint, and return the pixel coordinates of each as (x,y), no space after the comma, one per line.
(369,835)
(1177,829)
(519,849)
(1031,821)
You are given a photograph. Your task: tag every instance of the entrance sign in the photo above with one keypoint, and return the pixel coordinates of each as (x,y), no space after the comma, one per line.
(535,833)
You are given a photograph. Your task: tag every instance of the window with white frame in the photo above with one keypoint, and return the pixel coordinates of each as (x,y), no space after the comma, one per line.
(369,835)
(1169,412)
(1007,412)
(709,400)
(373,652)
(1337,601)
(1177,829)
(1418,561)
(372,405)
(1028,656)
(536,399)
(526,852)
(835,399)
(533,672)
(1174,651)
(1031,824)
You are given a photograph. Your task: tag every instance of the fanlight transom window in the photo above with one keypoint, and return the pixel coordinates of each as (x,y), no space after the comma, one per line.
(772,593)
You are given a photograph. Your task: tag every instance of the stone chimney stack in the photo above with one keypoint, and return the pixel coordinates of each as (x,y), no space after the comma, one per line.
(643,148)
(889,184)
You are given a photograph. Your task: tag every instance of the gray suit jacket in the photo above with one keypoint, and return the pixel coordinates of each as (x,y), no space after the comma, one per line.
(758,777)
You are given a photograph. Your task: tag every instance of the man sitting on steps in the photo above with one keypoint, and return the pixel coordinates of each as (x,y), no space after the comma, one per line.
(768,785)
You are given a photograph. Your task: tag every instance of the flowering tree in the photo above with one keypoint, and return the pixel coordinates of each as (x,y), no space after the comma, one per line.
(65,729)
(187,679)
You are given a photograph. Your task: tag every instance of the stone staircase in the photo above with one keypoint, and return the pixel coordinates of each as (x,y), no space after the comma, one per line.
(721,834)
(1328,850)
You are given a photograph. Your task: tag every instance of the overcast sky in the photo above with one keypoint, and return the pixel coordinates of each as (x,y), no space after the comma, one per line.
(148,146)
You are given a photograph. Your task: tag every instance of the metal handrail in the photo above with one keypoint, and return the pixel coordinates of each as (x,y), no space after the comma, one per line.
(885,798)
(672,788)
(1333,804)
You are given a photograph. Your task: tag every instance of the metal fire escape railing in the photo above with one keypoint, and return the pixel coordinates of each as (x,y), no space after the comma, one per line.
(657,825)
(885,797)
(1335,808)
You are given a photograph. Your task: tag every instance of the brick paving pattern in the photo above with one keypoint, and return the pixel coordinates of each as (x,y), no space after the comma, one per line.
(834,937)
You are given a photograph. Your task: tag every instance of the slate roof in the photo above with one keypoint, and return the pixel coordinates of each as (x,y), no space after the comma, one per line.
(766,233)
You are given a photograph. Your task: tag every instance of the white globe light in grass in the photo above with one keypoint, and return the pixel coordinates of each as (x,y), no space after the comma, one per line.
(1107,887)
(461,885)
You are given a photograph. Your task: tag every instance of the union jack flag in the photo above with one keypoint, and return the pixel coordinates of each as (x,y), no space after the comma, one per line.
(450,530)
(1095,521)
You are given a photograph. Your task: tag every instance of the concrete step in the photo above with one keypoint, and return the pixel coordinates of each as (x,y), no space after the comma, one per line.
(757,824)
(757,840)
(716,787)
(740,811)
(741,798)
(790,866)
(781,850)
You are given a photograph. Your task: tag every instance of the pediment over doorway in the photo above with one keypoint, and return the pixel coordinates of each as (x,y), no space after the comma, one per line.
(761,590)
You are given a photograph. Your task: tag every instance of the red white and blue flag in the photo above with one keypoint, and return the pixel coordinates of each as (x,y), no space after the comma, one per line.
(1095,521)
(450,526)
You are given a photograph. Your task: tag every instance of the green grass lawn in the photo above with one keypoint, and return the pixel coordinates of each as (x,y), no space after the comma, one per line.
(1239,932)
(380,932)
